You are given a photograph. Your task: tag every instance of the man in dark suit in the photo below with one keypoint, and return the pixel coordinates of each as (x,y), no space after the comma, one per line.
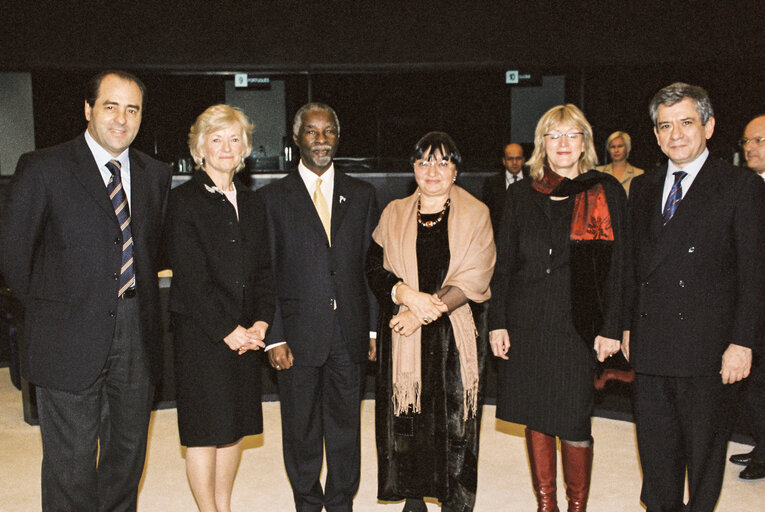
(696,302)
(753,145)
(495,187)
(79,244)
(319,224)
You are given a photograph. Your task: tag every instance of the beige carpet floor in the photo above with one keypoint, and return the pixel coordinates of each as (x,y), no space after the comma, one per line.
(261,485)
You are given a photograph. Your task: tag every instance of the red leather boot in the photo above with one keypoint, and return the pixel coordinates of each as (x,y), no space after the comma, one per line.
(541,449)
(577,470)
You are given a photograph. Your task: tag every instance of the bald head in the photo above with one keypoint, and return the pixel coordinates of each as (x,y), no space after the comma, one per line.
(513,159)
(754,149)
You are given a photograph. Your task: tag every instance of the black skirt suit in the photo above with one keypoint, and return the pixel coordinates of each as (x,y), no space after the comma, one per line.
(221,278)
(547,381)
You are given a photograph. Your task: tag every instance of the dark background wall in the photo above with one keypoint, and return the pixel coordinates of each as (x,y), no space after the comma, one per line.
(393,70)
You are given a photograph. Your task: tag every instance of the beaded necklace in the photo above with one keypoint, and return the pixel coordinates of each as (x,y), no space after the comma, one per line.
(431,223)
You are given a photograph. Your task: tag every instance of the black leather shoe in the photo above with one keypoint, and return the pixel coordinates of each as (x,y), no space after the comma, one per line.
(754,470)
(742,459)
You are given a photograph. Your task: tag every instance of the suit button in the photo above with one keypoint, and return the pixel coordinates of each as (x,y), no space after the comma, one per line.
(643,283)
(681,316)
(643,315)
(547,271)
(691,249)
(233,240)
(111,314)
(117,241)
(681,284)
(115,276)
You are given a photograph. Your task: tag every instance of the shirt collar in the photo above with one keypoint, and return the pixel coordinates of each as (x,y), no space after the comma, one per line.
(309,177)
(102,156)
(692,168)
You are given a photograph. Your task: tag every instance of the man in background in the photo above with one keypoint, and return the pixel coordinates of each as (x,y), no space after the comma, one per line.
(753,145)
(494,187)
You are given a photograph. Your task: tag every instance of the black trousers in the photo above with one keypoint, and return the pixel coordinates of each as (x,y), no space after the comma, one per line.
(113,412)
(320,409)
(682,423)
(754,404)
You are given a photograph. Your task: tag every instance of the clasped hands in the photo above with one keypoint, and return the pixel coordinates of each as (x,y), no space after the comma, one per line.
(422,309)
(241,340)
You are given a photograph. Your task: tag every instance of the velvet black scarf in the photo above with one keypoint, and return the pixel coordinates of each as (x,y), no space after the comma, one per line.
(591,243)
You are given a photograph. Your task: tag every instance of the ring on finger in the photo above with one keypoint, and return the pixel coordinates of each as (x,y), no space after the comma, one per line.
(426,319)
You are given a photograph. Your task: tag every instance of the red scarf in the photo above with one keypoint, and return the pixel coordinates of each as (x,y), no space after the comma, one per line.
(591,219)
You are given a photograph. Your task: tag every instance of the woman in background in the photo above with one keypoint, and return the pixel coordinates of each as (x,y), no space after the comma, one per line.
(619,145)
(221,301)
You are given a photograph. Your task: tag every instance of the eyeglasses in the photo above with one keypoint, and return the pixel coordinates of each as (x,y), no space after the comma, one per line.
(757,141)
(438,164)
(569,135)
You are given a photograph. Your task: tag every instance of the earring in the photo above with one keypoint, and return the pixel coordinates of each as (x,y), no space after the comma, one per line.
(454,180)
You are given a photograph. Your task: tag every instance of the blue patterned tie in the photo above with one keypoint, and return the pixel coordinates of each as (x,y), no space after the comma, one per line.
(121,209)
(675,195)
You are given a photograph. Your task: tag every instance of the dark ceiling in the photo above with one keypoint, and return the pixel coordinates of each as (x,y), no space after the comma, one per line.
(294,36)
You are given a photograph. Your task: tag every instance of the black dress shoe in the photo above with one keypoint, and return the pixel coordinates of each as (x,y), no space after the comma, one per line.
(754,470)
(742,459)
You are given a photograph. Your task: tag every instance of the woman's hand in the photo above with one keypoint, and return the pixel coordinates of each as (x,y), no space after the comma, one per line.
(405,323)
(427,308)
(372,353)
(499,339)
(258,333)
(626,345)
(240,340)
(606,347)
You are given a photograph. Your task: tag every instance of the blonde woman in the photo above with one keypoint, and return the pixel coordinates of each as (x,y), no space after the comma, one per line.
(221,301)
(557,299)
(619,145)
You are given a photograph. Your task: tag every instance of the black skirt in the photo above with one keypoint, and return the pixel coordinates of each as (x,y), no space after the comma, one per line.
(217,391)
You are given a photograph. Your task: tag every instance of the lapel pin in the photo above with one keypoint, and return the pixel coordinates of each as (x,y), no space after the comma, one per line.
(342,199)
(212,190)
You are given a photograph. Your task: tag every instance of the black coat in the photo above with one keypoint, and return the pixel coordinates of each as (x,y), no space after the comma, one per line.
(221,266)
(699,282)
(311,275)
(61,253)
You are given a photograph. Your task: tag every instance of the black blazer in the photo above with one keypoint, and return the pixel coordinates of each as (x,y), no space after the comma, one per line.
(60,252)
(493,194)
(221,266)
(528,277)
(698,282)
(310,274)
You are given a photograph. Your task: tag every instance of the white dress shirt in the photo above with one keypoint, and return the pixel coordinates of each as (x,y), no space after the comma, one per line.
(692,169)
(102,157)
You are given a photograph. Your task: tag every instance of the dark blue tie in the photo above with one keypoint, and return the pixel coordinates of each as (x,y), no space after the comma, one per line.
(675,195)
(119,201)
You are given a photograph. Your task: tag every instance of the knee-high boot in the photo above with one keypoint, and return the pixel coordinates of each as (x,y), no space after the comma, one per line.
(541,449)
(577,470)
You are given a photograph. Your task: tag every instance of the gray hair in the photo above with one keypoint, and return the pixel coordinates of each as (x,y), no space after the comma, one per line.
(298,122)
(678,91)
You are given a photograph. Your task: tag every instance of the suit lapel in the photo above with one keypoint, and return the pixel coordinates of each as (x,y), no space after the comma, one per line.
(684,221)
(300,200)
(86,171)
(138,193)
(341,199)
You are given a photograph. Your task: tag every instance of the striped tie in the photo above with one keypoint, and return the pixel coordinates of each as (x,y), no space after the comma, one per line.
(121,209)
(675,195)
